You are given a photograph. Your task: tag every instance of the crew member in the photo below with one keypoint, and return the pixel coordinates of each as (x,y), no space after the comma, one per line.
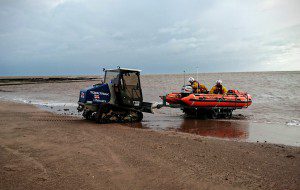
(218,88)
(197,87)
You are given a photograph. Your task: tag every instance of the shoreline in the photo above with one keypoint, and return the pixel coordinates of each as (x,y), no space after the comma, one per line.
(69,111)
(41,149)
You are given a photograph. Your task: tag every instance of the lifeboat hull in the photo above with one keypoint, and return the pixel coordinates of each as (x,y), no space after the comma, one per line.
(235,99)
(173,98)
(216,100)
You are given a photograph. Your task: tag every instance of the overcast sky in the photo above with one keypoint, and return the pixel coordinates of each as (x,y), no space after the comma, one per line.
(63,37)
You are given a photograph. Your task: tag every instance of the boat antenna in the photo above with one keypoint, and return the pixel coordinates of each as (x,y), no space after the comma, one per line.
(197,74)
(183,78)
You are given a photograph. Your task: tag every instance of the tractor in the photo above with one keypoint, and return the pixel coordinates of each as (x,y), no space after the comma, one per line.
(118,98)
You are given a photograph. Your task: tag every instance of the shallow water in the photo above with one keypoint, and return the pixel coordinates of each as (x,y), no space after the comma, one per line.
(273,117)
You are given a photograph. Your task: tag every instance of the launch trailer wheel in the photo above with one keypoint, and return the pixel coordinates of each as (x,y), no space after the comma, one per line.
(214,113)
(228,114)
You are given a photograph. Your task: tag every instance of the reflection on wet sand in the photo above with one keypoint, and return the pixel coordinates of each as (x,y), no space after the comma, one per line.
(215,128)
(135,125)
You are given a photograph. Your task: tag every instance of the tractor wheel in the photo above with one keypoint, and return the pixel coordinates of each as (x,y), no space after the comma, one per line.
(87,114)
(133,116)
(100,114)
(139,116)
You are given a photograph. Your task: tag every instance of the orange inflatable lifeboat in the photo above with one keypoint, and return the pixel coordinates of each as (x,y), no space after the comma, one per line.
(233,99)
(211,105)
(173,98)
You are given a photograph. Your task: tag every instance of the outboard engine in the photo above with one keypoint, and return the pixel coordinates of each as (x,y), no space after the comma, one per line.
(186,90)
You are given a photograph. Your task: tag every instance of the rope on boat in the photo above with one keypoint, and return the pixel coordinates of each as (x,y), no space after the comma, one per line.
(219,101)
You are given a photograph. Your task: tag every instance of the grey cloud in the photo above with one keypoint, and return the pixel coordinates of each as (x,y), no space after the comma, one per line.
(77,37)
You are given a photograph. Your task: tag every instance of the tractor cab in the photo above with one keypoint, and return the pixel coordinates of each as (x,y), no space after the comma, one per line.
(125,85)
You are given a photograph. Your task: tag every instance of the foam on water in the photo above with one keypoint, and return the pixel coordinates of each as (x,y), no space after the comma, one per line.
(43,103)
(293,122)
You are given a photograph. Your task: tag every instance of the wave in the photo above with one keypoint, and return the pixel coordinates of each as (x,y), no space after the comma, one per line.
(293,122)
(43,103)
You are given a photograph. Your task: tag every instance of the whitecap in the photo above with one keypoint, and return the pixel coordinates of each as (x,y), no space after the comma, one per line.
(293,122)
(46,103)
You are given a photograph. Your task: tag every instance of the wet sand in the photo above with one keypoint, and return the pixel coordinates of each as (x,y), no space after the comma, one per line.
(42,150)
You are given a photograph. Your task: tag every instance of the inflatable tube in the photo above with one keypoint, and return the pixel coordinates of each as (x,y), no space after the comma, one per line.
(233,99)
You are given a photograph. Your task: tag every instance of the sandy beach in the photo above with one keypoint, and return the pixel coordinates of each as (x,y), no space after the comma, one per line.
(42,150)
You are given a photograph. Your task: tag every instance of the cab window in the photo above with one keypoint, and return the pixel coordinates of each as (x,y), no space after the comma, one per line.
(111,77)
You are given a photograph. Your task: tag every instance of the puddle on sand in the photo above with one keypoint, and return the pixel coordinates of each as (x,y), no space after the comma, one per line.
(233,129)
(215,128)
(239,128)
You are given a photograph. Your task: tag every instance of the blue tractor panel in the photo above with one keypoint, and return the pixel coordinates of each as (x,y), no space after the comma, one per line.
(95,94)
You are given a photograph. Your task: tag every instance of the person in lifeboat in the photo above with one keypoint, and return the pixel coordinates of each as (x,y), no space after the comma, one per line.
(218,88)
(197,87)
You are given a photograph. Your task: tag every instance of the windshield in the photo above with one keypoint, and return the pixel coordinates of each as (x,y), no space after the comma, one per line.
(131,79)
(131,86)
(111,77)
